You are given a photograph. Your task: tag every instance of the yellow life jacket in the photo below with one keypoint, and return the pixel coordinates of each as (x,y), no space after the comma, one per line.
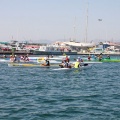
(76,65)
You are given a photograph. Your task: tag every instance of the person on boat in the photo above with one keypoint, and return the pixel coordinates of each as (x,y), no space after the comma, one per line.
(64,54)
(100,57)
(18,58)
(77,64)
(67,59)
(89,57)
(65,64)
(108,56)
(15,58)
(69,65)
(47,63)
(51,56)
(26,58)
(4,56)
(95,57)
(48,56)
(80,59)
(22,58)
(62,64)
(11,58)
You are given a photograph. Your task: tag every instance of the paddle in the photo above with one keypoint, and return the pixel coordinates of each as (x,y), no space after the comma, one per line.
(85,64)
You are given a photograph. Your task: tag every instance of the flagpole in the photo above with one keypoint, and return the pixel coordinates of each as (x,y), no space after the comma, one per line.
(100,32)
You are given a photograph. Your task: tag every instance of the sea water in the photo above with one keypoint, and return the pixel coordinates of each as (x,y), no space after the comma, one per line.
(44,94)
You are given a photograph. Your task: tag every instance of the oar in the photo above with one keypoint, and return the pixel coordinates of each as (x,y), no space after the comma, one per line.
(85,64)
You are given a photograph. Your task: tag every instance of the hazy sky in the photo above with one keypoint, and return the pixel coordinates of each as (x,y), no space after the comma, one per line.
(53,20)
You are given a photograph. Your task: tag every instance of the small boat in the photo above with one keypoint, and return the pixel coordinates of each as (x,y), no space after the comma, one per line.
(29,65)
(84,66)
(4,60)
(22,61)
(90,62)
(53,49)
(62,69)
(102,60)
(110,60)
(41,59)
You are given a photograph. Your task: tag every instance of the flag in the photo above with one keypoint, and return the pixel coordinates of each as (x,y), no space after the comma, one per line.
(99,19)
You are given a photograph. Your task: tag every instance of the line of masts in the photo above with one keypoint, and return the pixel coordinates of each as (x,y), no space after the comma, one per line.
(86,28)
(86,36)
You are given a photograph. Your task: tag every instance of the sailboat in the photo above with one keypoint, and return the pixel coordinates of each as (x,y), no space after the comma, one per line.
(81,44)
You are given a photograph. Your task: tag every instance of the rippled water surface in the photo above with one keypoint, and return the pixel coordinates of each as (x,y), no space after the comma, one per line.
(44,94)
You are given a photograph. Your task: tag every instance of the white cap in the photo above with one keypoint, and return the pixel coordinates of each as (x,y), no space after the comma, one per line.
(77,60)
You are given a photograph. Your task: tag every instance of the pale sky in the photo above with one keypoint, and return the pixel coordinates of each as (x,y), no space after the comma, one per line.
(53,20)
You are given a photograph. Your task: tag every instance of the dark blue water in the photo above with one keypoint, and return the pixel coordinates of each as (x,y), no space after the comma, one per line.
(44,94)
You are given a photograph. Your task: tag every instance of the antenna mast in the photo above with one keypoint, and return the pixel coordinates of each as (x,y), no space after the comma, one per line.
(74,37)
(86,26)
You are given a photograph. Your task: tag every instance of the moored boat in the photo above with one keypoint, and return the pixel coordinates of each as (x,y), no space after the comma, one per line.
(53,49)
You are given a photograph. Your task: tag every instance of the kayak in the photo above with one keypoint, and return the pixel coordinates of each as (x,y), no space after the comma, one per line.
(39,59)
(29,65)
(62,69)
(90,62)
(4,60)
(85,66)
(103,60)
(52,60)
(22,61)
(110,60)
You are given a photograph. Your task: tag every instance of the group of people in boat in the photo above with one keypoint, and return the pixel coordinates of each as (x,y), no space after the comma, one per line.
(65,62)
(18,58)
(79,61)
(96,57)
(3,56)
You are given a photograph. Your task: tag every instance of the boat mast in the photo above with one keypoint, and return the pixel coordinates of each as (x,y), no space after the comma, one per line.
(74,27)
(86,36)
